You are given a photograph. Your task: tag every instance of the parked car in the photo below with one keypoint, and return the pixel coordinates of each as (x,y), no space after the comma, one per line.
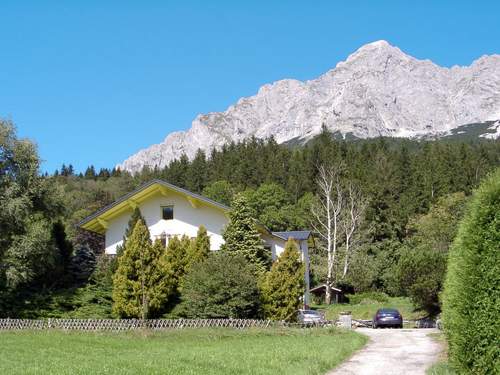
(387,318)
(310,317)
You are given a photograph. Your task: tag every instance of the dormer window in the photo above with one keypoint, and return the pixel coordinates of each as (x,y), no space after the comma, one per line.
(167,212)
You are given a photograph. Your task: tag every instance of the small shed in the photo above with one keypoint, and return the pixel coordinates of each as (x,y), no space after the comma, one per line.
(319,293)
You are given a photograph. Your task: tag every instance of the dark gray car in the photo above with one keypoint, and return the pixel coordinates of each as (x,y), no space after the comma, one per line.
(387,318)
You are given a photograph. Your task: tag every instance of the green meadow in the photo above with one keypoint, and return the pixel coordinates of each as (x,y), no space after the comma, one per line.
(196,351)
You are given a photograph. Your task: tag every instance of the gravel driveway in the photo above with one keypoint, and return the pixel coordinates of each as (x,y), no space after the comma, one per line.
(392,352)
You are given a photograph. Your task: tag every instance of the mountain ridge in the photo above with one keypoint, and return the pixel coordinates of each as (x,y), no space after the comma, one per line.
(377,91)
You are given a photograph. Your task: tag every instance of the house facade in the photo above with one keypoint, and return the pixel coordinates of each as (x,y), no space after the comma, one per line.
(171,211)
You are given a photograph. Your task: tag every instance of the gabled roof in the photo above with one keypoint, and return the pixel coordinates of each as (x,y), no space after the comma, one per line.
(322,287)
(97,222)
(295,234)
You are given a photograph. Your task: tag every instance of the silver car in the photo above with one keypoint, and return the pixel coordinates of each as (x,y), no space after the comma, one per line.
(310,317)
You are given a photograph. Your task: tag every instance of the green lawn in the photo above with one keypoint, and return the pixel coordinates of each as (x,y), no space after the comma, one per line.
(210,351)
(368,310)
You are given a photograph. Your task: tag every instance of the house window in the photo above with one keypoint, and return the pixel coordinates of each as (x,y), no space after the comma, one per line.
(167,212)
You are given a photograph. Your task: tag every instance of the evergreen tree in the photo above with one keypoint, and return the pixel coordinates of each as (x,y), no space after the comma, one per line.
(283,286)
(178,260)
(142,281)
(82,264)
(196,174)
(199,248)
(134,218)
(90,172)
(241,235)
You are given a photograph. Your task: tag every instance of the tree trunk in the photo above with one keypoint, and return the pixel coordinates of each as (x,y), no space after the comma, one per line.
(328,293)
(346,259)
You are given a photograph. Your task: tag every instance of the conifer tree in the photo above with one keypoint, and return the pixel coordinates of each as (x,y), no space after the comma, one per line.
(199,248)
(283,286)
(241,235)
(136,215)
(177,259)
(90,172)
(142,282)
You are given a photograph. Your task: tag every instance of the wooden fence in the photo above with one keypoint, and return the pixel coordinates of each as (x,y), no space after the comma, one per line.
(131,324)
(165,324)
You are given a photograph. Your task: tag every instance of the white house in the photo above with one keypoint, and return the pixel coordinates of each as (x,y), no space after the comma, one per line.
(172,211)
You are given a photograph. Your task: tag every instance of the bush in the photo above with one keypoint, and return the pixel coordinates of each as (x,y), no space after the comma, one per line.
(471,299)
(222,286)
(420,273)
(421,267)
(366,298)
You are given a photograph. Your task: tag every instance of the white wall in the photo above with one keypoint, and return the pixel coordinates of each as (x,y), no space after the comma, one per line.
(276,244)
(187,220)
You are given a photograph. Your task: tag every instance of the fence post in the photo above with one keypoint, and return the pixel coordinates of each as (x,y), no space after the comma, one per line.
(346,319)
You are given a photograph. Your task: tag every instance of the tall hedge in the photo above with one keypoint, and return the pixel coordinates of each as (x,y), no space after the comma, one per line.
(471,297)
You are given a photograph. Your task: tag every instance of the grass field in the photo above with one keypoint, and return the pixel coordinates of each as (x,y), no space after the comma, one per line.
(211,351)
(368,310)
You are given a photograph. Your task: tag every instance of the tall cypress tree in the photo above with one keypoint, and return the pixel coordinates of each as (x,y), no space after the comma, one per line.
(142,282)
(283,286)
(241,235)
(136,216)
(199,248)
(178,260)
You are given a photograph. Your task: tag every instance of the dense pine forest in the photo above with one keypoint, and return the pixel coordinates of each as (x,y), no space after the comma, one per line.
(415,192)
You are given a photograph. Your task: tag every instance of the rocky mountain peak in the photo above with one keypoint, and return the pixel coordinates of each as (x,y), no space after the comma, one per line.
(377,91)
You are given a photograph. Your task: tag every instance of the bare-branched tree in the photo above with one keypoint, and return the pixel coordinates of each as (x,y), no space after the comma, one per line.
(326,213)
(336,216)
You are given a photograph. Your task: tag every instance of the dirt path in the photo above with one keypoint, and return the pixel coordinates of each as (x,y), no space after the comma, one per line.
(392,352)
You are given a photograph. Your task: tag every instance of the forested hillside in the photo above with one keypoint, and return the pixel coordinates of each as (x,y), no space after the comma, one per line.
(415,191)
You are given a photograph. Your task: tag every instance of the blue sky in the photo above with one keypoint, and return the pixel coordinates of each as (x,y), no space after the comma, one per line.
(92,82)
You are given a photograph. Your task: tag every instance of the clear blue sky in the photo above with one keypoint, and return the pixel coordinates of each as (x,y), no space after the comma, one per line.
(94,81)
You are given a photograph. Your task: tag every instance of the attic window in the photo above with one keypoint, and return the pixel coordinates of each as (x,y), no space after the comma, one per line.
(167,212)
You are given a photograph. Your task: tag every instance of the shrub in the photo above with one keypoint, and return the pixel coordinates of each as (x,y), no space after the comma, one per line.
(420,273)
(222,286)
(421,267)
(471,298)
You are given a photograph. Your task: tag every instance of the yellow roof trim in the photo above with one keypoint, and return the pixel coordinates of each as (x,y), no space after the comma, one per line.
(99,222)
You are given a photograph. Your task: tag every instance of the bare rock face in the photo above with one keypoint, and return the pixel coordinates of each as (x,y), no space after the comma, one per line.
(377,91)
